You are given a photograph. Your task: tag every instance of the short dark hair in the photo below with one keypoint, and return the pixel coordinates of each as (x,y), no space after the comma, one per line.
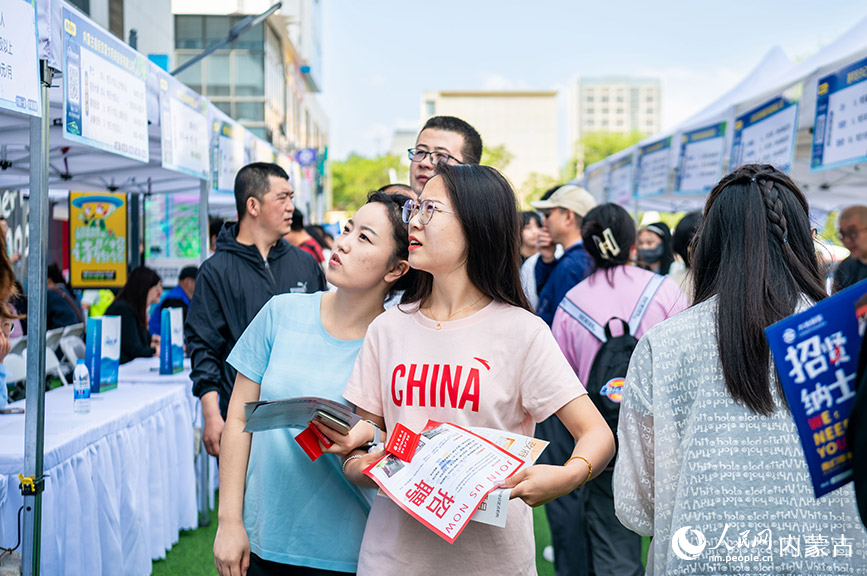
(253,181)
(135,291)
(611,217)
(683,235)
(485,205)
(472,149)
(214,226)
(394,207)
(397,189)
(297,220)
(754,252)
(530,215)
(188,272)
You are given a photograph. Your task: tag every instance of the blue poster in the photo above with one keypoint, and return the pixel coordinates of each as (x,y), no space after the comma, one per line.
(766,135)
(816,355)
(701,159)
(840,128)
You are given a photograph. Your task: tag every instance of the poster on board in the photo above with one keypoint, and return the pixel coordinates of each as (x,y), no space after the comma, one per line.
(840,128)
(620,181)
(701,159)
(228,150)
(594,182)
(184,129)
(172,234)
(653,167)
(104,97)
(97,239)
(19,60)
(766,135)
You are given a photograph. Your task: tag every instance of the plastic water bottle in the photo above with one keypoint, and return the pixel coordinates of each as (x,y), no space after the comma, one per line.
(81,388)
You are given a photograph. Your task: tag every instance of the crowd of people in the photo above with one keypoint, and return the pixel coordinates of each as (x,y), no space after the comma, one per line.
(551,303)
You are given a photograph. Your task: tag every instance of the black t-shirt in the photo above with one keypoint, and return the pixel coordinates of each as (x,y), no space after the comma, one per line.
(850,271)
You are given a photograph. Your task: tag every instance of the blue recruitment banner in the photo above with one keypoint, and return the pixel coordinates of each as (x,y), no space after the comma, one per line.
(19,60)
(816,354)
(620,181)
(227,147)
(766,135)
(653,168)
(104,90)
(840,128)
(184,129)
(701,159)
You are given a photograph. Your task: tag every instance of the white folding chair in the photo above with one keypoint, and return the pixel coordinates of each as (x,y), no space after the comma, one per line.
(52,365)
(72,348)
(19,345)
(73,330)
(52,338)
(16,368)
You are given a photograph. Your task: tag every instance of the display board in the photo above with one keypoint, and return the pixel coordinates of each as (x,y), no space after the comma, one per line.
(97,239)
(766,135)
(19,63)
(184,129)
(594,182)
(840,128)
(620,181)
(701,159)
(104,98)
(228,150)
(172,234)
(654,161)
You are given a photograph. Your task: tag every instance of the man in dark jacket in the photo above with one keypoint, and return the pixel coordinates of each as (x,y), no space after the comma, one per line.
(252,263)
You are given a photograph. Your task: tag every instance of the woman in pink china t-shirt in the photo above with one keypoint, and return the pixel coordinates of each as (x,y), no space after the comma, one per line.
(463,347)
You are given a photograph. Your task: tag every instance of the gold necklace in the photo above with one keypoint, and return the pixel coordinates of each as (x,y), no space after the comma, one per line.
(440,324)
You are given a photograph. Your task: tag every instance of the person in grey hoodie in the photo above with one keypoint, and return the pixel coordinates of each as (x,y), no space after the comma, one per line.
(252,263)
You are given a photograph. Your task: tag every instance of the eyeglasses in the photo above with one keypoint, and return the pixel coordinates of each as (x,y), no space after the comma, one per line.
(417,155)
(851,233)
(8,327)
(425,211)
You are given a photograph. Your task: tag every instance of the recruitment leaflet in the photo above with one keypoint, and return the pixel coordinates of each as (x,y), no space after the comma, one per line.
(620,181)
(816,354)
(452,471)
(840,129)
(701,159)
(19,63)
(653,168)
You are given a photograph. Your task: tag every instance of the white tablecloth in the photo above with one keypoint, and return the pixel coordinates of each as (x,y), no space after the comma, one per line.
(146,371)
(121,481)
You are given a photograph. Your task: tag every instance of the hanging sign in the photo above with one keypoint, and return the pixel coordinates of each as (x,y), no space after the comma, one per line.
(104,98)
(840,129)
(184,129)
(620,181)
(19,62)
(766,135)
(594,182)
(228,150)
(701,159)
(653,168)
(97,239)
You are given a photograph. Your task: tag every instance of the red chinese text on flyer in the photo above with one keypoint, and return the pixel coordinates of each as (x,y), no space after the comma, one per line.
(451,472)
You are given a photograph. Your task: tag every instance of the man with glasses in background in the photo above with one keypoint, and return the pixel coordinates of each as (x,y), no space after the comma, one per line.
(442,139)
(853,233)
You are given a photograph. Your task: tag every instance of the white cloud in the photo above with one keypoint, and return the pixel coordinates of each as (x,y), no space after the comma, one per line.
(499,83)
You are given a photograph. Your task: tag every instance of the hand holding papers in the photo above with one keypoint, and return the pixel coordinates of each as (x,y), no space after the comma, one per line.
(452,471)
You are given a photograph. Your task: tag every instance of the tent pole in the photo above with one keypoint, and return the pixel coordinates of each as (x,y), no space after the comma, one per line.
(37,262)
(204,458)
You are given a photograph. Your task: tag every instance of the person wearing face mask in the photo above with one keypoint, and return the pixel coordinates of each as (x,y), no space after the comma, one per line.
(654,248)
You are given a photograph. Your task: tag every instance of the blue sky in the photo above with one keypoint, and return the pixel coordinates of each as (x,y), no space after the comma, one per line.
(379,56)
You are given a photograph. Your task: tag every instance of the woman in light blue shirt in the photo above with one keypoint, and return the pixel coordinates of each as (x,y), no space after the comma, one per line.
(279,512)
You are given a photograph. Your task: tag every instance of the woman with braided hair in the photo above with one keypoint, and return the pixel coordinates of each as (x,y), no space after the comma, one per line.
(709,462)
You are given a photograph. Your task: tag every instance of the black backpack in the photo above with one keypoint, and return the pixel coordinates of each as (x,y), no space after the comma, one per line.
(608,372)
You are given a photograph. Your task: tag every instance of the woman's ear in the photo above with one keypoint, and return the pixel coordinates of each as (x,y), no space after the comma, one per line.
(396,271)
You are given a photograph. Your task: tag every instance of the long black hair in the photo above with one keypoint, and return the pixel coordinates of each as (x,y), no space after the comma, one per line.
(394,208)
(754,252)
(601,225)
(135,291)
(485,206)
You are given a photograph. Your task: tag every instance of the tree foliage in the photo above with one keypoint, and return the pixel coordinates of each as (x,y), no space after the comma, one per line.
(597,146)
(352,179)
(497,156)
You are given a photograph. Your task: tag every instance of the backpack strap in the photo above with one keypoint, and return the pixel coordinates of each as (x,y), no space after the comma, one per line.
(585,320)
(644,302)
